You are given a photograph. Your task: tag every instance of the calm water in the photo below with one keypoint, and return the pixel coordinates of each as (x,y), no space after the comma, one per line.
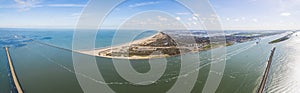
(45,69)
(285,77)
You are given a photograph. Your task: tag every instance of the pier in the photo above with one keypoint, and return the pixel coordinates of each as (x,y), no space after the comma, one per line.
(266,73)
(13,73)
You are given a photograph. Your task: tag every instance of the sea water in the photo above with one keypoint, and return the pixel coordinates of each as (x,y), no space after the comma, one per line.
(45,69)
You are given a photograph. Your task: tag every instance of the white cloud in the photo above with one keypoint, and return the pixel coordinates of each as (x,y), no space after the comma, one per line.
(197,15)
(178,18)
(243,18)
(162,18)
(237,19)
(285,14)
(195,23)
(66,5)
(142,4)
(228,19)
(183,13)
(254,20)
(195,18)
(24,5)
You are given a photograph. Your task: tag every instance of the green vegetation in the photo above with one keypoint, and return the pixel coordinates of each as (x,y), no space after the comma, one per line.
(281,39)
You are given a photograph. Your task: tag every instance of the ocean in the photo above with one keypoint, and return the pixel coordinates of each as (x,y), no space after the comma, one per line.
(46,69)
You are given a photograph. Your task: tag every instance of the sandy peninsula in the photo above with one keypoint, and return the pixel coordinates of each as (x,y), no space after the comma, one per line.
(164,44)
(156,46)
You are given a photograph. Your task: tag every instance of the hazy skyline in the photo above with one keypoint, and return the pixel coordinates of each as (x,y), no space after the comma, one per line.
(233,14)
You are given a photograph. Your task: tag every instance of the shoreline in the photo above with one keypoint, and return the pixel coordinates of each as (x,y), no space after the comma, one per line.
(161,45)
(96,52)
(104,52)
(284,38)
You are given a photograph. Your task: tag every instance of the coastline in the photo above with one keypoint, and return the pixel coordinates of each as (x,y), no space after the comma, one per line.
(284,38)
(95,52)
(164,44)
(108,51)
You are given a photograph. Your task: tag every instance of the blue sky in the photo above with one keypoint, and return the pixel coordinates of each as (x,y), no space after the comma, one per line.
(233,14)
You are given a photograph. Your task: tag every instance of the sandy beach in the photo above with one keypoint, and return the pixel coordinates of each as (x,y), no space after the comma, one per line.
(102,52)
